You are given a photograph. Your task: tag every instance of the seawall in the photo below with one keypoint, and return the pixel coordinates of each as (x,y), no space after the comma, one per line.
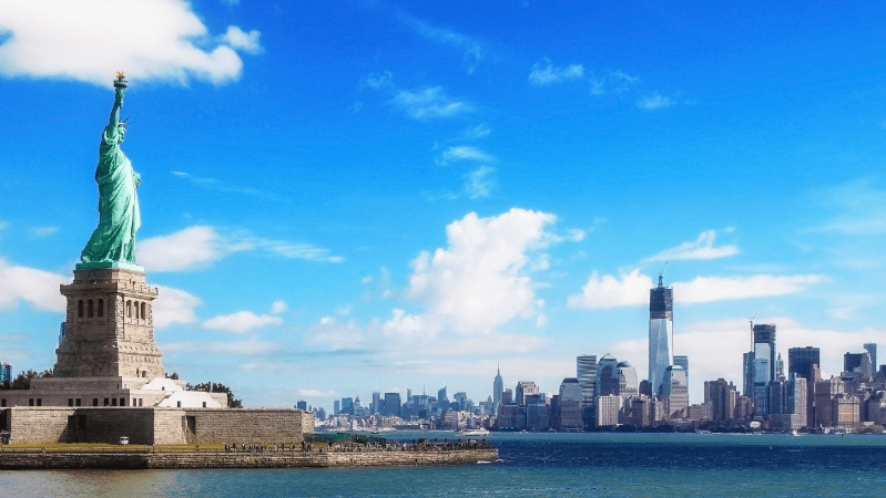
(219,460)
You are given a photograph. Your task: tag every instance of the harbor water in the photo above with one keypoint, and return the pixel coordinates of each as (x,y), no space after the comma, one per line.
(532,465)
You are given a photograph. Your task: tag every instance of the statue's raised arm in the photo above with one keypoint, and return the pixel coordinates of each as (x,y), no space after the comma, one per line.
(120,85)
(112,244)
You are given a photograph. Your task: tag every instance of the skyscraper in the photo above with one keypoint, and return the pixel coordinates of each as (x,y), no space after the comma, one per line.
(570,406)
(498,387)
(392,404)
(627,380)
(586,372)
(376,403)
(5,372)
(661,333)
(607,376)
(442,399)
(524,388)
(683,361)
(801,360)
(871,347)
(674,391)
(764,365)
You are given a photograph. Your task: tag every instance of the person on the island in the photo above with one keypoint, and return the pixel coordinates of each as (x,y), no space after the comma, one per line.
(113,240)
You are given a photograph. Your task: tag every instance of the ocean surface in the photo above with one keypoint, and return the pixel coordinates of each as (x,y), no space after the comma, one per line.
(533,465)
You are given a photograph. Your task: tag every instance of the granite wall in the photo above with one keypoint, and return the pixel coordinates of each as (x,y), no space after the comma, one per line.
(155,426)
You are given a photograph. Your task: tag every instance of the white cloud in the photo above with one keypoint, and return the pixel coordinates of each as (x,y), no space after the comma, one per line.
(474,50)
(465,153)
(174,306)
(189,249)
(633,289)
(700,248)
(41,232)
(622,81)
(241,40)
(410,327)
(544,74)
(479,282)
(476,132)
(210,183)
(278,306)
(379,81)
(294,250)
(199,246)
(707,289)
(616,81)
(241,322)
(480,182)
(654,101)
(89,40)
(610,292)
(38,288)
(429,102)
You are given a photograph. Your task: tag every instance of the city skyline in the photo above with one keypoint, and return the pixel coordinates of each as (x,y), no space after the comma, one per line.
(373,196)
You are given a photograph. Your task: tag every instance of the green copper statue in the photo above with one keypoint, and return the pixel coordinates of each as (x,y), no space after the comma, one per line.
(112,244)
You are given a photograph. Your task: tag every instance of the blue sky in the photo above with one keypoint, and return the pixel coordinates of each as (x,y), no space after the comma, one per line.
(349,196)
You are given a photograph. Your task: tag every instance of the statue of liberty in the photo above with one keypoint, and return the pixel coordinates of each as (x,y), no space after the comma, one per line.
(112,244)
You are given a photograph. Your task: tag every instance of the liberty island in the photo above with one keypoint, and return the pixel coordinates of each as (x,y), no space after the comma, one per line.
(109,385)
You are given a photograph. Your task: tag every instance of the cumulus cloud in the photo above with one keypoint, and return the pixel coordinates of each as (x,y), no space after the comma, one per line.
(197,247)
(633,289)
(241,322)
(278,306)
(480,280)
(38,288)
(241,40)
(174,306)
(609,291)
(189,249)
(654,101)
(700,248)
(545,73)
(89,40)
(429,102)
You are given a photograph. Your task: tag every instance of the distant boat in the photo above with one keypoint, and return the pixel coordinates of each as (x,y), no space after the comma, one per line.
(477,432)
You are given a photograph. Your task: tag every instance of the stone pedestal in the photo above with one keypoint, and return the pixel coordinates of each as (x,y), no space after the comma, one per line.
(109,330)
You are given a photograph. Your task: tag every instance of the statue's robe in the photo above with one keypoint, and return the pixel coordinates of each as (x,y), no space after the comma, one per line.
(119,217)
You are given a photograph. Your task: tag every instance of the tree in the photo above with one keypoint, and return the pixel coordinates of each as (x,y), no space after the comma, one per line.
(212,387)
(23,380)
